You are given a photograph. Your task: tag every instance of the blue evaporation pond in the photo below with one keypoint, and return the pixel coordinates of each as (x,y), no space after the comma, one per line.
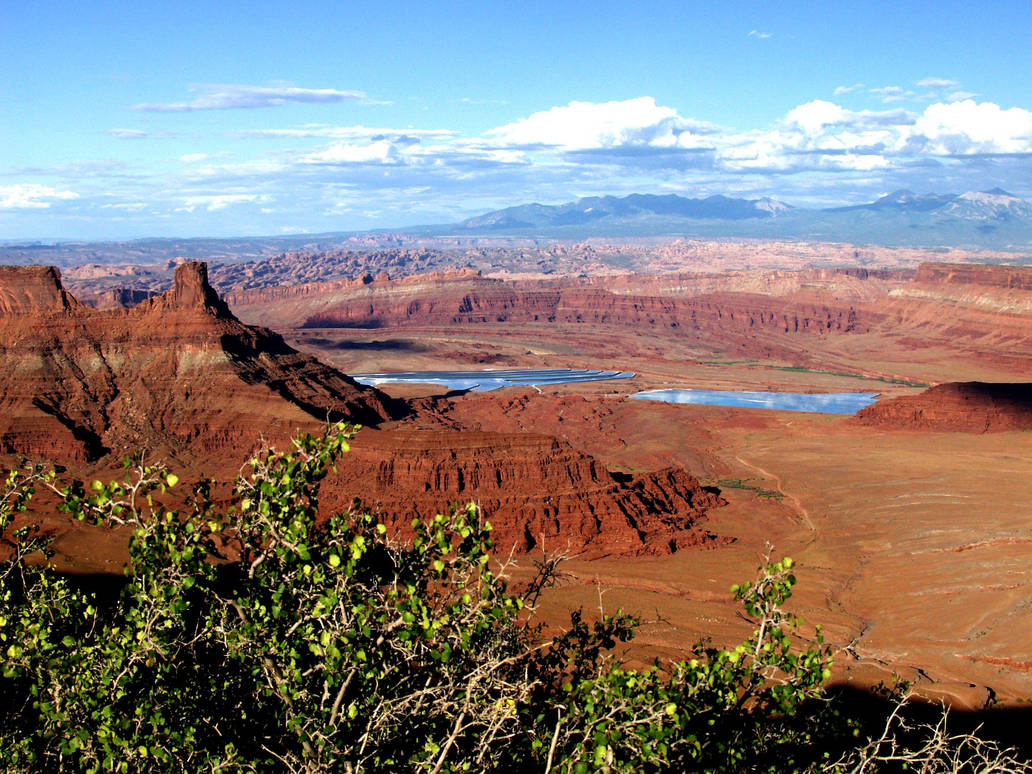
(827,403)
(484,381)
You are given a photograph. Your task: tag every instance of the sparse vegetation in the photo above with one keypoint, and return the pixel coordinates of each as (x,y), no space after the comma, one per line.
(884,379)
(740,483)
(747,361)
(256,637)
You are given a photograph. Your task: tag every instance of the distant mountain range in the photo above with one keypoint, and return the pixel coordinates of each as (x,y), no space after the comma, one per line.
(604,209)
(992,218)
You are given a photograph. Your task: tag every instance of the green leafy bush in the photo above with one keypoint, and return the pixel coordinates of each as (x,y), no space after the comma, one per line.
(257,637)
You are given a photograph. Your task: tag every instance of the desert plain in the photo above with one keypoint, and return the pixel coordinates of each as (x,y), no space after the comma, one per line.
(909,523)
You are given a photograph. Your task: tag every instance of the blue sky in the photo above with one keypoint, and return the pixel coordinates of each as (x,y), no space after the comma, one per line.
(124,120)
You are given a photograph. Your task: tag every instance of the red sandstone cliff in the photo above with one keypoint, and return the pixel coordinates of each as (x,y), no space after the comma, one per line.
(465,298)
(537,491)
(774,314)
(178,374)
(178,371)
(968,407)
(1018,277)
(33,290)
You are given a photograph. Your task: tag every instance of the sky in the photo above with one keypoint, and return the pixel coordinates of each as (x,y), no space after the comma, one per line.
(122,120)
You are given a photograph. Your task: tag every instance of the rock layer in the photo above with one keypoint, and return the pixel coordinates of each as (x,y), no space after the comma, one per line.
(815,318)
(967,407)
(537,491)
(178,371)
(179,375)
(466,298)
(1018,277)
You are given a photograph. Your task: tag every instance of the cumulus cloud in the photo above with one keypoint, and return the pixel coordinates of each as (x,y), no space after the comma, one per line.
(21,196)
(584,125)
(819,151)
(231,96)
(814,116)
(377,152)
(823,135)
(817,135)
(968,127)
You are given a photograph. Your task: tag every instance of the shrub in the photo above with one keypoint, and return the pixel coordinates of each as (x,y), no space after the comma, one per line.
(258,637)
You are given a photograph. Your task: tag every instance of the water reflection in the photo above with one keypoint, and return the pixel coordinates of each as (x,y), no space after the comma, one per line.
(827,403)
(492,379)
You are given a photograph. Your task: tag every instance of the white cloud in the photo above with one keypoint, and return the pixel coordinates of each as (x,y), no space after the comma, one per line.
(969,127)
(840,90)
(215,202)
(957,96)
(128,134)
(814,116)
(128,206)
(937,83)
(823,135)
(231,96)
(324,176)
(591,125)
(140,134)
(639,134)
(349,132)
(891,93)
(378,152)
(760,35)
(21,196)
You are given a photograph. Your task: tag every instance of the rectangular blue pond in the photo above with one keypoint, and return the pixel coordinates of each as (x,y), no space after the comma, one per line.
(819,403)
(491,379)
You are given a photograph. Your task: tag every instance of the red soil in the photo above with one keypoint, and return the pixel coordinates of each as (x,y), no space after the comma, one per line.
(967,407)
(179,375)
(912,546)
(538,492)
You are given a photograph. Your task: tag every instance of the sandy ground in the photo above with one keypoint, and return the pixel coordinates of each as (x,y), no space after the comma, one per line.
(914,549)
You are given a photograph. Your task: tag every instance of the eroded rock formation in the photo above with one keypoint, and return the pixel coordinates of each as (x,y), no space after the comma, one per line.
(176,372)
(968,407)
(179,375)
(538,492)
(1019,277)
(466,298)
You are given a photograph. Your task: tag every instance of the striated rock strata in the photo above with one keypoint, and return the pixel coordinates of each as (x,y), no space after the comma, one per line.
(466,298)
(1017,277)
(179,375)
(178,371)
(967,407)
(537,491)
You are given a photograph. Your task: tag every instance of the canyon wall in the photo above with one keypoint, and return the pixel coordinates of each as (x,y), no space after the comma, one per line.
(538,492)
(176,371)
(178,376)
(967,407)
(1019,277)
(465,298)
